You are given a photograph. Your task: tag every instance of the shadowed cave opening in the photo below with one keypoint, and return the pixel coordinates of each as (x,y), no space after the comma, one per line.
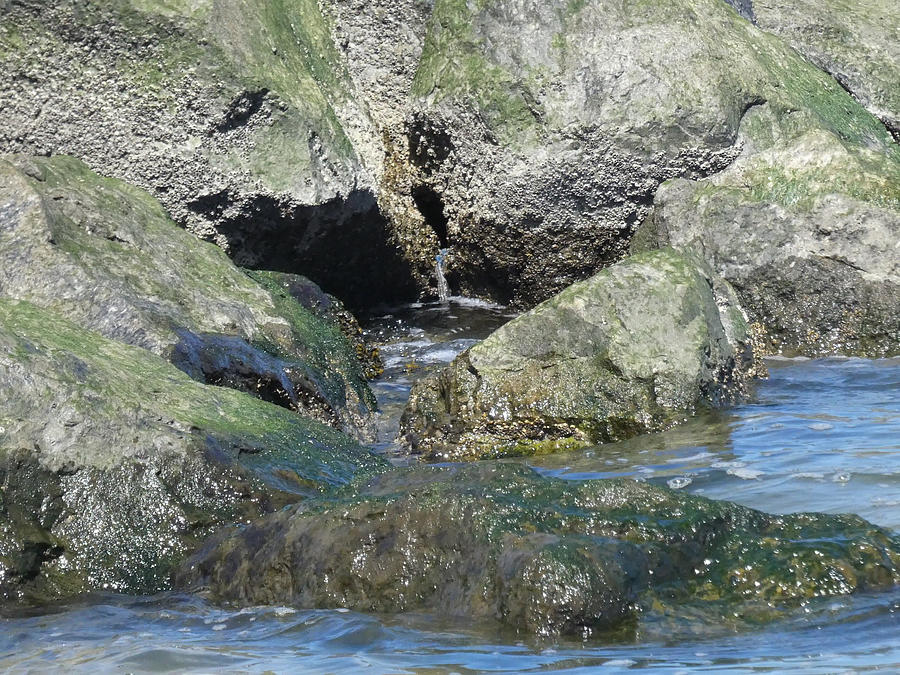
(344,244)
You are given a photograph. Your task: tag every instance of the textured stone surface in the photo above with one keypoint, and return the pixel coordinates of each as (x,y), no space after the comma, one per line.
(805,225)
(239,116)
(106,256)
(543,556)
(114,464)
(857,42)
(636,348)
(541,132)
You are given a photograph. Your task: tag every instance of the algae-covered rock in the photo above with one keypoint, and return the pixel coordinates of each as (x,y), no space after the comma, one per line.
(106,256)
(805,226)
(238,115)
(114,464)
(541,131)
(858,43)
(325,306)
(544,556)
(636,348)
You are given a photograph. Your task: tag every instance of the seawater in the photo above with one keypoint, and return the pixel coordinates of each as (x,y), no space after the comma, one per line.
(818,435)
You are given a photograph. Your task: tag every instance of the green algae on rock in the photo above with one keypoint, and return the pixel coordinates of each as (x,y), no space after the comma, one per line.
(804,225)
(114,464)
(544,556)
(545,129)
(105,255)
(636,348)
(855,42)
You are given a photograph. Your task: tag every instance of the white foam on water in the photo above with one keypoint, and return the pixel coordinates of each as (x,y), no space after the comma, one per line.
(745,473)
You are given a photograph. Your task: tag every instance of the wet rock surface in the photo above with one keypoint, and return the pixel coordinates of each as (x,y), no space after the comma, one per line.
(106,256)
(114,464)
(543,556)
(636,348)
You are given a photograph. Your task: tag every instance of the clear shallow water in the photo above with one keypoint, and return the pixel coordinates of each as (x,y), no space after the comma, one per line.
(818,435)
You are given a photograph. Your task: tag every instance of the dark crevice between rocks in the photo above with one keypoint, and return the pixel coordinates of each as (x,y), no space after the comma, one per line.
(344,244)
(744,8)
(431,206)
(430,145)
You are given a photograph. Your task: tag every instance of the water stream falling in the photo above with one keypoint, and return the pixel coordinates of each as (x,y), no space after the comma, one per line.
(442,288)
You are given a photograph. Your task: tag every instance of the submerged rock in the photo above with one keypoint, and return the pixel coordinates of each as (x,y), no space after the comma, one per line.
(544,556)
(636,348)
(106,256)
(114,464)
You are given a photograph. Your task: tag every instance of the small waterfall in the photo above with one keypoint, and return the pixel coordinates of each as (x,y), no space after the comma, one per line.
(442,288)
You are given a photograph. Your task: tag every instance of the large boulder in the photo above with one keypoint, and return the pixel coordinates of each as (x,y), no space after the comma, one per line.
(542,556)
(540,132)
(239,116)
(114,464)
(804,225)
(636,348)
(855,42)
(106,256)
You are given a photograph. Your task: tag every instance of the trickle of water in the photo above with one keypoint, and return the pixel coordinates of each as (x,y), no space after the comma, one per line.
(442,288)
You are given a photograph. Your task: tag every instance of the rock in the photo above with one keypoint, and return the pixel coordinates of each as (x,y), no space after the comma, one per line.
(636,348)
(541,555)
(114,464)
(239,116)
(539,133)
(106,256)
(855,42)
(804,225)
(332,310)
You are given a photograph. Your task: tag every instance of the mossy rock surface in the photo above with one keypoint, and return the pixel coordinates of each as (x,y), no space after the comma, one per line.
(114,464)
(105,255)
(854,41)
(547,128)
(634,349)
(543,556)
(804,225)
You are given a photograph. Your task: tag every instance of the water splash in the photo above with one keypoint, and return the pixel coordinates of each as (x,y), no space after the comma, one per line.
(442,288)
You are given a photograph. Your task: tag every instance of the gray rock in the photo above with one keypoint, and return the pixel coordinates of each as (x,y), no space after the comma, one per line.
(858,43)
(106,256)
(238,116)
(636,348)
(543,556)
(114,464)
(539,133)
(805,225)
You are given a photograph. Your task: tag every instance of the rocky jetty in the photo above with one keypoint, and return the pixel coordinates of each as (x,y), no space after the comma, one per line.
(634,349)
(542,556)
(190,192)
